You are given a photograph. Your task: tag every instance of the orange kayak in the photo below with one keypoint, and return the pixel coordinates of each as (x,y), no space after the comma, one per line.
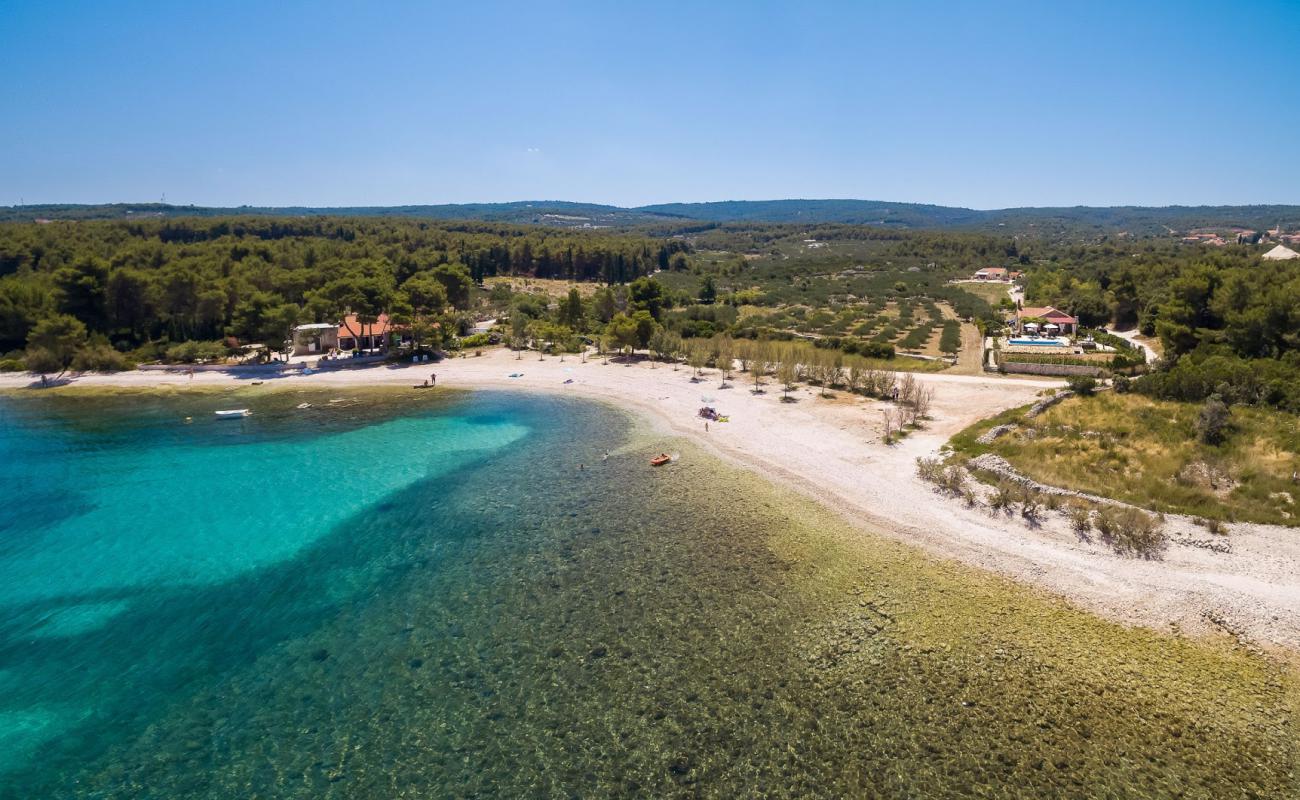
(660,460)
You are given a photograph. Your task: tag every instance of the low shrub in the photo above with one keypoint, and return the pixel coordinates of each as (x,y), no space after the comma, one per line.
(1106,522)
(476,340)
(190,352)
(1215,526)
(953,480)
(99,356)
(1213,421)
(1130,531)
(1082,385)
(12,365)
(1080,517)
(1004,497)
(41,360)
(929,470)
(1031,506)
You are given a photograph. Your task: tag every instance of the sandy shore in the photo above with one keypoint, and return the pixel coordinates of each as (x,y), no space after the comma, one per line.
(831,449)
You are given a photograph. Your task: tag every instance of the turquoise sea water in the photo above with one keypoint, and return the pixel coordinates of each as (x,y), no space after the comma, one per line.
(142,554)
(423,595)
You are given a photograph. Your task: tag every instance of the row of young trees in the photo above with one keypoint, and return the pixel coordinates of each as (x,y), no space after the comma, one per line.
(789,364)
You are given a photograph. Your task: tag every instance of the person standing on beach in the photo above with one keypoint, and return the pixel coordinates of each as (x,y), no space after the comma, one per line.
(433,379)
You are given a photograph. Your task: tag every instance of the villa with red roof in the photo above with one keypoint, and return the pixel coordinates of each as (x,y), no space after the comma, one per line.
(1045,320)
(996,274)
(346,336)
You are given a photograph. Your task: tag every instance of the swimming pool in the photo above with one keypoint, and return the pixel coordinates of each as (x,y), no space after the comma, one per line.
(1037,342)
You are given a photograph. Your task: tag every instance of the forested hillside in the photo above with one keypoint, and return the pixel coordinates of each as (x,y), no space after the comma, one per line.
(135,282)
(1079,223)
(127,291)
(1229,321)
(544,212)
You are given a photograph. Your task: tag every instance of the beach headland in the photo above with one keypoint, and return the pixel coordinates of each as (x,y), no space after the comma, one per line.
(831,449)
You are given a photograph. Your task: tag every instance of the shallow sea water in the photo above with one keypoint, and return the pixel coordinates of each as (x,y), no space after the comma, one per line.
(422,595)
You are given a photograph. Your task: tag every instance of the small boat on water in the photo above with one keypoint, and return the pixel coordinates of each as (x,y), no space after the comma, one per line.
(660,460)
(232,413)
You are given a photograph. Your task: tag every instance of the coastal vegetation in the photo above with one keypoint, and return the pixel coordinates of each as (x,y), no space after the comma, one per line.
(191,290)
(1202,460)
(198,289)
(139,288)
(1126,530)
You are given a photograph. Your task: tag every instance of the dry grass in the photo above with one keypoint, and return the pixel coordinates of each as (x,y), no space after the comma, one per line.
(547,286)
(1145,452)
(991,293)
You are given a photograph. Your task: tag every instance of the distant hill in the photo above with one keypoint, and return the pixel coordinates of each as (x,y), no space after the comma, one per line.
(1082,220)
(852,212)
(1078,222)
(541,212)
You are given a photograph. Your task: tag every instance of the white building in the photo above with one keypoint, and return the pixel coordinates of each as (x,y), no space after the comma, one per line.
(1280,253)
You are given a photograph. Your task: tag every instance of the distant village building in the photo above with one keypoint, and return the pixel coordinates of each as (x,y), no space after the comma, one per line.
(1205,237)
(997,274)
(1280,253)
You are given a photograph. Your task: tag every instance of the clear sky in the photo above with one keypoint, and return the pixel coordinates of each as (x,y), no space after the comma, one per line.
(959,103)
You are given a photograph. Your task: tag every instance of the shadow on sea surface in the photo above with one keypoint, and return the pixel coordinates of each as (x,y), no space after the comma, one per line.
(523,628)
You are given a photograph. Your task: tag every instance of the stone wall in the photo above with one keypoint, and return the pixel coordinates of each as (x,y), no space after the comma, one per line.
(1047,402)
(1050,369)
(999,466)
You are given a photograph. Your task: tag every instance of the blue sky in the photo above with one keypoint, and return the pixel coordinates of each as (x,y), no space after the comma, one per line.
(960,103)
